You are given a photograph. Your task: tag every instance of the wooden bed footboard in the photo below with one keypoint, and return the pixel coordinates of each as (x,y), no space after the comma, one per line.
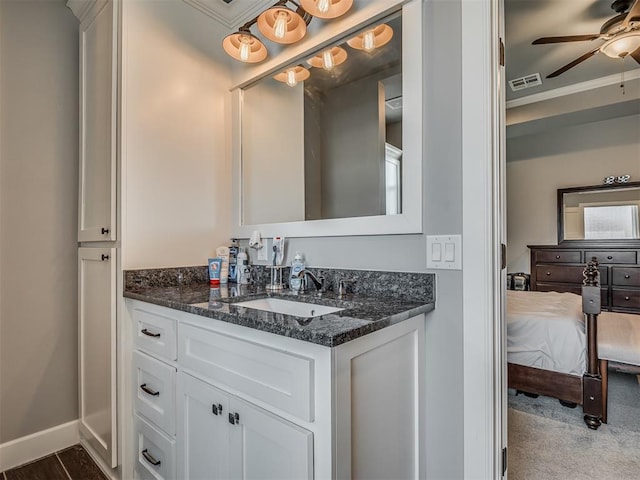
(588,390)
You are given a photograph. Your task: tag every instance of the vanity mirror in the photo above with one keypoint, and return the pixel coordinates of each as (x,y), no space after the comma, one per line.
(599,213)
(330,143)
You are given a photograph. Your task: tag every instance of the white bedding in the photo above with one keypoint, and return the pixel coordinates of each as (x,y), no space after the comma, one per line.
(619,337)
(546,330)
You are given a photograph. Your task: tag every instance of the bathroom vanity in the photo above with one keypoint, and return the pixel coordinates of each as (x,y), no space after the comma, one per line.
(228,391)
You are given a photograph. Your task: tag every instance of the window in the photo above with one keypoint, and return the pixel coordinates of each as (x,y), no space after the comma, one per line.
(609,222)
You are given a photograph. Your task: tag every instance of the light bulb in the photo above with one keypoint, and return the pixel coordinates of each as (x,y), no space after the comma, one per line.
(323,5)
(245,49)
(368,40)
(327,60)
(291,77)
(280,25)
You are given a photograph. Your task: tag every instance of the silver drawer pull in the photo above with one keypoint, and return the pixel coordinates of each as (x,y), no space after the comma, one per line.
(147,456)
(145,389)
(150,334)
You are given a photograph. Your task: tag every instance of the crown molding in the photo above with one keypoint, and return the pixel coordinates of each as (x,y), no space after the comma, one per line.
(575,88)
(230,15)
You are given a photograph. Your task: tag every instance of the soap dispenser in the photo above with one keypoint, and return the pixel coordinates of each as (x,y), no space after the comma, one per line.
(295,281)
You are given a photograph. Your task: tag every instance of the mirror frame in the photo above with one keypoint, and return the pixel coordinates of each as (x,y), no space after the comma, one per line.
(560,213)
(410,220)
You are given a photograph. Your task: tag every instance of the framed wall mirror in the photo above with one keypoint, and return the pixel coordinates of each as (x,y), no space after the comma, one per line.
(324,150)
(602,213)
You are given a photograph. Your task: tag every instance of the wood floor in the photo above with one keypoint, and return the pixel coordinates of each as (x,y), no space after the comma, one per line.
(73,463)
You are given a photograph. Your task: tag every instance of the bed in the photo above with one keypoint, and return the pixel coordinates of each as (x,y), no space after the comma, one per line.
(554,349)
(552,346)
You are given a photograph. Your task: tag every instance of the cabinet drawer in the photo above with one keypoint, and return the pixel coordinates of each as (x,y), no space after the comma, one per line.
(155,387)
(558,256)
(155,452)
(565,274)
(611,257)
(155,333)
(625,298)
(625,276)
(257,371)
(577,289)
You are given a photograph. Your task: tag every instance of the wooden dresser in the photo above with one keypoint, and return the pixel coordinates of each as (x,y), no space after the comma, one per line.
(559,268)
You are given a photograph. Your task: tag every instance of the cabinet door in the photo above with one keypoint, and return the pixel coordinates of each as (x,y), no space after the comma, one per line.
(263,445)
(203,432)
(97,349)
(98,83)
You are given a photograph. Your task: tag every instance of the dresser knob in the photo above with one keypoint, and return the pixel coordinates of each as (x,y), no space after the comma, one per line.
(627,276)
(609,257)
(558,257)
(548,274)
(627,298)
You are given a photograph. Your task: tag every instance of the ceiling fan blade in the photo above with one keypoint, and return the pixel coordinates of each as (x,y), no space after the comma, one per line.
(636,55)
(578,60)
(566,38)
(633,14)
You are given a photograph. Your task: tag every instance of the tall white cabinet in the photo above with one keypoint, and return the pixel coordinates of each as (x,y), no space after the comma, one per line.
(97,227)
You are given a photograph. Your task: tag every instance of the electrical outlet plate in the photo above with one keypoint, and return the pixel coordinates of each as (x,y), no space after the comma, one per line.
(263,254)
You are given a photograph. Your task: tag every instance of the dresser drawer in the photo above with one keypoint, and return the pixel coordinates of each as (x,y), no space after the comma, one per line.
(611,257)
(621,298)
(577,289)
(155,452)
(565,274)
(155,332)
(558,256)
(257,371)
(627,276)
(155,387)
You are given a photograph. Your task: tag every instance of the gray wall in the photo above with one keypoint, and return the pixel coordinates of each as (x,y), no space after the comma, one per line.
(38,216)
(537,165)
(442,199)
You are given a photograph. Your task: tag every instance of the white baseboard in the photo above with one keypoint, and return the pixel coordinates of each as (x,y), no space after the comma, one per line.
(26,449)
(111,473)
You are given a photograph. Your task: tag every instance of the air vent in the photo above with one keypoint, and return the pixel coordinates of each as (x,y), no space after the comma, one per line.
(528,81)
(394,103)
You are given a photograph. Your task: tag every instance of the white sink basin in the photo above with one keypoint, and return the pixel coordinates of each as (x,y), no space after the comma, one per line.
(287,307)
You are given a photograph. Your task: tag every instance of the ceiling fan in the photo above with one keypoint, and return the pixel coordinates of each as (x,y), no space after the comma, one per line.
(621,35)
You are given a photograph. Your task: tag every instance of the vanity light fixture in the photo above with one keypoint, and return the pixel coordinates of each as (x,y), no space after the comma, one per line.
(373,38)
(291,76)
(327,8)
(244,46)
(282,25)
(328,58)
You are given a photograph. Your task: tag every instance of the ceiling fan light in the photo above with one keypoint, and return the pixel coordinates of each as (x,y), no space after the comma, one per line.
(245,47)
(326,8)
(329,58)
(372,38)
(282,25)
(292,76)
(622,45)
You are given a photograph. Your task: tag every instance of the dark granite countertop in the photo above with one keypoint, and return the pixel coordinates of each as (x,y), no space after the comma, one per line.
(362,314)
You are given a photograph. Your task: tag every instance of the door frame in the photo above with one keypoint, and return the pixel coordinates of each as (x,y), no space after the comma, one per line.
(483,223)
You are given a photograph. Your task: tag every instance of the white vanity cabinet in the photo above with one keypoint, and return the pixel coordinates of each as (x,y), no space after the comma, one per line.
(251,404)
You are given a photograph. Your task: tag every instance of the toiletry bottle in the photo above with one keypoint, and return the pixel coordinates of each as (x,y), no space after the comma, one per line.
(223,253)
(244,273)
(297,266)
(234,248)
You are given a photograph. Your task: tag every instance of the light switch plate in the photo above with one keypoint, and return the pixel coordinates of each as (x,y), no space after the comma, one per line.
(444,252)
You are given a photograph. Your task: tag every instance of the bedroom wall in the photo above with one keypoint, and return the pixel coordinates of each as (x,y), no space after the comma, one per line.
(539,164)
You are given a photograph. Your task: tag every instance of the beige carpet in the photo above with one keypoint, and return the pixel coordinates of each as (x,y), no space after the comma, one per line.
(548,441)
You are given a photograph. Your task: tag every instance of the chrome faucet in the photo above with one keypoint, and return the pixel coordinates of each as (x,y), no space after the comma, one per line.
(318,281)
